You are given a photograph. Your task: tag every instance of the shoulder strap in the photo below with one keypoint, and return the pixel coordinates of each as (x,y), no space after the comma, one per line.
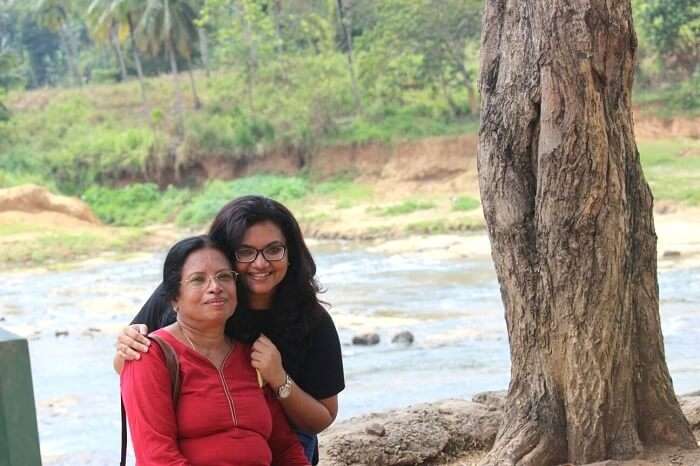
(173,365)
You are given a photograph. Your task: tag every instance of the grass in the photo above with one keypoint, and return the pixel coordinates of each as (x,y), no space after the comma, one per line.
(672,168)
(465,203)
(54,245)
(403,208)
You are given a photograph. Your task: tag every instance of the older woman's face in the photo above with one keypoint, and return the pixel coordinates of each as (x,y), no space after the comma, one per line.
(262,275)
(208,287)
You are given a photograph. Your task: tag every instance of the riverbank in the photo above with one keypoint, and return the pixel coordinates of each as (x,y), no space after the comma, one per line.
(455,433)
(48,241)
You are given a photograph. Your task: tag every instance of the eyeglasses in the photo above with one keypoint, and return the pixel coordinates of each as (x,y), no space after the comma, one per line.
(200,280)
(271,253)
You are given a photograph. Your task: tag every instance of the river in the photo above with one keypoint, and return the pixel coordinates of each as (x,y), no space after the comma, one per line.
(451,306)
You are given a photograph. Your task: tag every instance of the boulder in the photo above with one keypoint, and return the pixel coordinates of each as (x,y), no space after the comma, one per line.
(403,338)
(493,400)
(690,405)
(418,434)
(366,339)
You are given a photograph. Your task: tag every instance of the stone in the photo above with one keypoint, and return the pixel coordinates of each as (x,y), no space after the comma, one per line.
(494,400)
(376,429)
(404,338)
(690,405)
(366,339)
(418,434)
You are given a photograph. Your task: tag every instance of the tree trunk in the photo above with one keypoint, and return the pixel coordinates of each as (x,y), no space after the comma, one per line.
(348,44)
(179,109)
(204,50)
(71,54)
(118,49)
(569,216)
(137,58)
(251,63)
(195,97)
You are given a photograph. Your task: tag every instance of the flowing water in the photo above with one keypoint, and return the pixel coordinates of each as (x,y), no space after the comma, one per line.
(452,307)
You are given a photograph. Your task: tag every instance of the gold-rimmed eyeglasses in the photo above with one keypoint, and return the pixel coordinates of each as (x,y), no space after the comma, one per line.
(200,280)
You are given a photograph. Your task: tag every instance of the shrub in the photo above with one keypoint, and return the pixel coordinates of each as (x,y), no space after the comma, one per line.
(204,206)
(465,203)
(135,205)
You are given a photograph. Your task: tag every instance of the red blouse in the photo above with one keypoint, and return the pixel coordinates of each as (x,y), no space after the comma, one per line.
(222,417)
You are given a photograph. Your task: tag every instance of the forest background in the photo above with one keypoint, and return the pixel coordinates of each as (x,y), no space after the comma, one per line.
(122,102)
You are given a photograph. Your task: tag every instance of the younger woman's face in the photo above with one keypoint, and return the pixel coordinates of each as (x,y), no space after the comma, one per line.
(262,276)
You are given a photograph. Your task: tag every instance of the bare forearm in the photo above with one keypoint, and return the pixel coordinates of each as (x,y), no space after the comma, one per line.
(307,413)
(118,364)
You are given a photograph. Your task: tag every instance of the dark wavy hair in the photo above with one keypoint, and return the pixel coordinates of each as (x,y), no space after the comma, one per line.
(295,306)
(176,258)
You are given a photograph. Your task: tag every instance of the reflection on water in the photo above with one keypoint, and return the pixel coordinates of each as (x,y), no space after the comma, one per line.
(451,306)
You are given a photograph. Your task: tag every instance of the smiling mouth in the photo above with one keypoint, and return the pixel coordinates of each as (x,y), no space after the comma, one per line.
(259,276)
(216,301)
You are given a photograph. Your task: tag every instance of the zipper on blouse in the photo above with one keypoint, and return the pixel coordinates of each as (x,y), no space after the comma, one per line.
(227,393)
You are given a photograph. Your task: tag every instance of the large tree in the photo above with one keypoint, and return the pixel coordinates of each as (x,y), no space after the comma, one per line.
(569,216)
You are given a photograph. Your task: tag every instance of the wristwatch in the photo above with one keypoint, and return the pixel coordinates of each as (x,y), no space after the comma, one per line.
(284,390)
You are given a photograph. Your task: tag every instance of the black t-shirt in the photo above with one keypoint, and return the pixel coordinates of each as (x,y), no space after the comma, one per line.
(316,365)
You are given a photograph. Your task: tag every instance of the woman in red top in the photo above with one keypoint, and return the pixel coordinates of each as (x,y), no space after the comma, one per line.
(221,417)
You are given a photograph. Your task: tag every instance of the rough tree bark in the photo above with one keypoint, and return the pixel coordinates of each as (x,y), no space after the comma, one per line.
(569,216)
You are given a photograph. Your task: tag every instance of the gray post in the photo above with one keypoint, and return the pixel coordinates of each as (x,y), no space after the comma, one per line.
(19,438)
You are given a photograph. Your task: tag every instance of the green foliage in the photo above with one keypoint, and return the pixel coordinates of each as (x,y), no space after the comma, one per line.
(672,27)
(232,134)
(672,168)
(681,99)
(344,191)
(203,207)
(136,204)
(405,207)
(465,203)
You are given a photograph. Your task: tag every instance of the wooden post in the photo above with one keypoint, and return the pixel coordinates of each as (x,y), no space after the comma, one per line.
(19,438)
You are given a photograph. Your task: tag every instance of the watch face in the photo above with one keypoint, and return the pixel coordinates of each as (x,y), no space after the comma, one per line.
(285,390)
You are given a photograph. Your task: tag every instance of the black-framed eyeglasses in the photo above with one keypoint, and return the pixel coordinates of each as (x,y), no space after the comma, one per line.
(271,253)
(200,280)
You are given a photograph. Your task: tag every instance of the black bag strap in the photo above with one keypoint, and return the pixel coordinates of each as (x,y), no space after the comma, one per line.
(173,365)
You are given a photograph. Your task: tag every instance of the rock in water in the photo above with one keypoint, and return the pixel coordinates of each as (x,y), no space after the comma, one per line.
(403,338)
(366,339)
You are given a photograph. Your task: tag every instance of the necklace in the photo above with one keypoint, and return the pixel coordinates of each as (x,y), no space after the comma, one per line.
(182,330)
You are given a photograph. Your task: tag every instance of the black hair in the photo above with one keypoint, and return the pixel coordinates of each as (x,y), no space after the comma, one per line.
(176,258)
(295,305)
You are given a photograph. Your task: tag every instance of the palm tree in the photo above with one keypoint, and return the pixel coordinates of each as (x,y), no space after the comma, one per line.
(169,25)
(55,15)
(125,13)
(105,28)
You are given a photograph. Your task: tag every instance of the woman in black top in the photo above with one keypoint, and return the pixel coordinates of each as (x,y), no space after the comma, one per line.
(295,344)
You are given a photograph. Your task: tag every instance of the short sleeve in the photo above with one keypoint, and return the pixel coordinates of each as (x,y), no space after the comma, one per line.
(156,312)
(321,374)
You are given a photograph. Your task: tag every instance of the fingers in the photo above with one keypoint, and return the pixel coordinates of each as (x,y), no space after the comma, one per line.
(127,353)
(264,344)
(132,338)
